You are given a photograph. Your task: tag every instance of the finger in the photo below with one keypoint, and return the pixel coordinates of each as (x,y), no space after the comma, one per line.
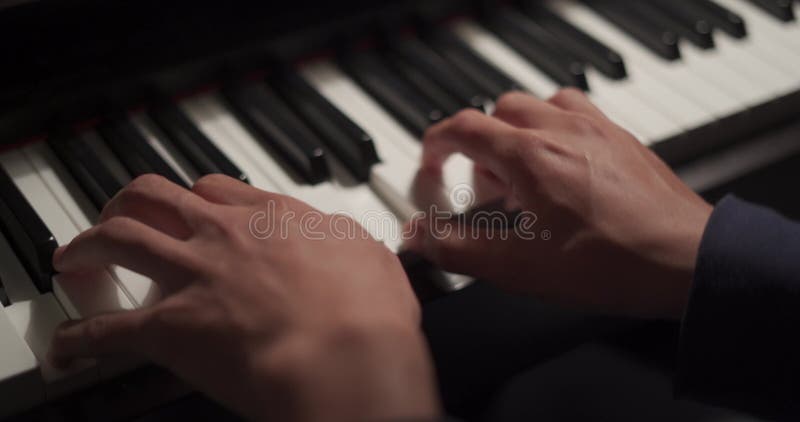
(526,111)
(468,250)
(489,142)
(99,336)
(224,190)
(157,202)
(130,244)
(575,100)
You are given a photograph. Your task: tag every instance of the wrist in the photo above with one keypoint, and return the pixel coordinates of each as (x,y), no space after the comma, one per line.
(355,373)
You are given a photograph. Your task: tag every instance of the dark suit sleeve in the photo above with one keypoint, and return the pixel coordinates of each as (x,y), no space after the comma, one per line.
(740,337)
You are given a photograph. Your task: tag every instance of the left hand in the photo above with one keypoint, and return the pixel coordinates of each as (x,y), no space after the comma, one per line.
(282,327)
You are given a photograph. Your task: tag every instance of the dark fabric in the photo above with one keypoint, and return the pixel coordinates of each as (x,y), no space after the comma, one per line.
(739,338)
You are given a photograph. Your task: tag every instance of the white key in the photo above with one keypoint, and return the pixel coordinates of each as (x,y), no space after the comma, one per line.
(639,60)
(141,290)
(164,148)
(774,43)
(342,195)
(762,26)
(36,321)
(21,384)
(395,177)
(15,279)
(80,296)
(210,118)
(539,84)
(104,154)
(502,56)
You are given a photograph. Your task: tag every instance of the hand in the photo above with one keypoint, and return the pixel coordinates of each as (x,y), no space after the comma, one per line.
(274,325)
(625,229)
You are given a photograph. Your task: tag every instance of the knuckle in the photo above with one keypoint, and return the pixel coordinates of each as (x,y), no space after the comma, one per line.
(115,227)
(582,123)
(210,181)
(467,122)
(145,183)
(511,101)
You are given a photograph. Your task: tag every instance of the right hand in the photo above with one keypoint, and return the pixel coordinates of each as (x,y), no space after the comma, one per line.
(625,229)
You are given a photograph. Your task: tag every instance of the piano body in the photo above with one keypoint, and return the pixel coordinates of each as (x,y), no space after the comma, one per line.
(327,101)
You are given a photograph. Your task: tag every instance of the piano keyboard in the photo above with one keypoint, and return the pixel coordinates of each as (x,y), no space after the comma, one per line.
(343,135)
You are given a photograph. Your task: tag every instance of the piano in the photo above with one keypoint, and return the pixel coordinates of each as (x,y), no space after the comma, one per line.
(327,102)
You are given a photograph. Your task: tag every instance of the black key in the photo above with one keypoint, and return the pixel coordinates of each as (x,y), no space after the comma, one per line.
(205,157)
(133,150)
(720,17)
(783,10)
(4,301)
(672,15)
(581,44)
(658,39)
(29,237)
(450,79)
(491,79)
(424,85)
(538,46)
(94,178)
(348,141)
(410,108)
(277,127)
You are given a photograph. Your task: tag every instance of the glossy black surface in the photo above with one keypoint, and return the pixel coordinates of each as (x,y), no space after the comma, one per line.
(349,142)
(95,180)
(278,128)
(29,237)
(133,150)
(204,156)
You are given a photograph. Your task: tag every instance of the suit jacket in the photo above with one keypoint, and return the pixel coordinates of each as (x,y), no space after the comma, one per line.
(740,336)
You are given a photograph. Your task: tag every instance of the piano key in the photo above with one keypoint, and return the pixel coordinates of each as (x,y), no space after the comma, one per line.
(650,125)
(538,46)
(86,168)
(17,283)
(4,301)
(140,289)
(446,76)
(493,80)
(603,58)
(673,16)
(720,17)
(79,295)
(351,144)
(491,48)
(394,179)
(661,41)
(192,143)
(133,150)
(341,195)
(20,380)
(278,128)
(423,84)
(165,148)
(96,144)
(497,52)
(408,106)
(31,239)
(783,55)
(677,74)
(780,9)
(764,30)
(36,322)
